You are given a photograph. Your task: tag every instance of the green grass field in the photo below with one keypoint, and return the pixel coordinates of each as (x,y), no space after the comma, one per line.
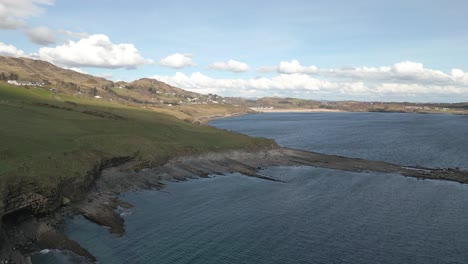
(46,138)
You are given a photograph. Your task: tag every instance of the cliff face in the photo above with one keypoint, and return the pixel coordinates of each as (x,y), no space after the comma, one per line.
(24,210)
(25,228)
(40,204)
(36,203)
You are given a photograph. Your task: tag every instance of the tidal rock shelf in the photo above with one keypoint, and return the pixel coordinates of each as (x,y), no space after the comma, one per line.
(100,203)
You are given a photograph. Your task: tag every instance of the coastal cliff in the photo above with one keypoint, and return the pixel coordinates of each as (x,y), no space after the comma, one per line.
(33,221)
(63,154)
(54,147)
(29,217)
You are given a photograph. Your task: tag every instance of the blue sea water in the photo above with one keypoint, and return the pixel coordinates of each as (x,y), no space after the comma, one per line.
(317,215)
(432,140)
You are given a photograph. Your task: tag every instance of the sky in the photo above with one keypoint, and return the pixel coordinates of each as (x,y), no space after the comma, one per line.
(367,50)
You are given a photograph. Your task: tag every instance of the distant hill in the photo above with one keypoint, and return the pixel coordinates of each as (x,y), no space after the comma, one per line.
(283,103)
(145,92)
(40,71)
(184,104)
(278,103)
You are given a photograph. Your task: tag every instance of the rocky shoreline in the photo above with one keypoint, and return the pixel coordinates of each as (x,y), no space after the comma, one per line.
(25,231)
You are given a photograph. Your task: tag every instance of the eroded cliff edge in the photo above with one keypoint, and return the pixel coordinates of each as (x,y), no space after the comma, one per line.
(33,221)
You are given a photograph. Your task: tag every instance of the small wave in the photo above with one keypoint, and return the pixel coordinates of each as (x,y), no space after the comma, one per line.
(45,251)
(125,213)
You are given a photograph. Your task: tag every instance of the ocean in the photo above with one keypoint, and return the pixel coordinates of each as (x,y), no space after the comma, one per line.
(316,215)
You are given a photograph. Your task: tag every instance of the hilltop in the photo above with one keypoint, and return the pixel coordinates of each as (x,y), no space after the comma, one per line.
(26,69)
(148,93)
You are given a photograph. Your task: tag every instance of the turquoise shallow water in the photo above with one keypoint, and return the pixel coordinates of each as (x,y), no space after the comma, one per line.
(316,216)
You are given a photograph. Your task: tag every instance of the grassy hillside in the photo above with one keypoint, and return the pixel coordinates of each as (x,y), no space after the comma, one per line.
(46,138)
(145,92)
(36,70)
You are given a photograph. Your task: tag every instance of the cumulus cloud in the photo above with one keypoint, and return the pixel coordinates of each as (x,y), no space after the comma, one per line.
(295,66)
(177,61)
(14,12)
(406,72)
(231,65)
(289,67)
(41,35)
(406,81)
(94,51)
(458,74)
(10,50)
(413,90)
(282,84)
(408,67)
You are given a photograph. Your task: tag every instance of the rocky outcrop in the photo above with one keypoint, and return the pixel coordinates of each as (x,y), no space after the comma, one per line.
(101,207)
(36,203)
(35,211)
(31,224)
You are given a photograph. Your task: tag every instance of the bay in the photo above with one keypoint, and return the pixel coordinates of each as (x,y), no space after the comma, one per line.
(317,215)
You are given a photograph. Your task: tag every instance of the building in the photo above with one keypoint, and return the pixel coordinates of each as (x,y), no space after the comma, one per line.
(25,83)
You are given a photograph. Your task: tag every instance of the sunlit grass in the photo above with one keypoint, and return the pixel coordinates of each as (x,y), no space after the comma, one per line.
(46,138)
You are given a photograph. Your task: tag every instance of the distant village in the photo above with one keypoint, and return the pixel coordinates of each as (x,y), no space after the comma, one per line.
(426,108)
(171,99)
(26,83)
(262,108)
(168,96)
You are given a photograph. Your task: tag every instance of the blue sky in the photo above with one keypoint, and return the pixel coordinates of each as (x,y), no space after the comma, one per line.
(364,50)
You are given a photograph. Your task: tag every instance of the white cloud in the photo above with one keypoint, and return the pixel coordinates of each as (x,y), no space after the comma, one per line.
(41,35)
(231,65)
(405,81)
(94,51)
(295,66)
(10,50)
(289,67)
(406,72)
(13,12)
(408,67)
(177,61)
(282,84)
(418,90)
(458,74)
